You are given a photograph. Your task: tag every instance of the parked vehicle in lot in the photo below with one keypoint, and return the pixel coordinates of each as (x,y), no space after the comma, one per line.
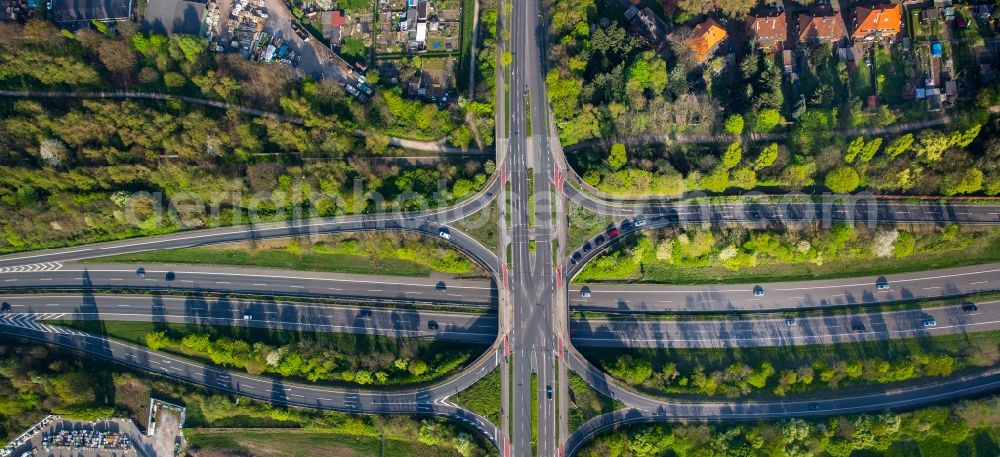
(929,323)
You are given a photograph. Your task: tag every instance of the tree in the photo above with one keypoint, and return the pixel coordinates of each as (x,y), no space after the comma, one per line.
(962,182)
(733,155)
(734,124)
(376,142)
(899,145)
(743,178)
(363,377)
(842,179)
(716,181)
(173,80)
(766,157)
(931,145)
(506,58)
(906,244)
(417,367)
(461,137)
(618,157)
(766,120)
(53,152)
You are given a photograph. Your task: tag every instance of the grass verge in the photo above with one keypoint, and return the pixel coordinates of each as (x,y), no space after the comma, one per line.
(584,225)
(483,397)
(311,442)
(586,403)
(534,414)
(482,226)
(398,254)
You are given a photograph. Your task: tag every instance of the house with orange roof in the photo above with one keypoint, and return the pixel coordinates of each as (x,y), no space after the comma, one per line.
(880,21)
(820,28)
(770,32)
(706,38)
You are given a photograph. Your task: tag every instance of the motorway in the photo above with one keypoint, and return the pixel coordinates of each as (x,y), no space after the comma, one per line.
(250,280)
(832,329)
(26,310)
(787,295)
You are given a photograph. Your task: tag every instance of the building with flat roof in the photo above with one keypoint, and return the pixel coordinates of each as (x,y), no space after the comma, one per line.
(68,12)
(174,16)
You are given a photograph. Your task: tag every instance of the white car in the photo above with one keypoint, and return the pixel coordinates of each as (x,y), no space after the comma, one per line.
(443,233)
(640,222)
(247,317)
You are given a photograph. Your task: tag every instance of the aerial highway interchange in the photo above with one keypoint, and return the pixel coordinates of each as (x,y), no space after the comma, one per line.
(528,309)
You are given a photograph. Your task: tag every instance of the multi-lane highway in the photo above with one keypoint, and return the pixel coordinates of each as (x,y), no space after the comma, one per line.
(258,281)
(787,295)
(782,331)
(27,310)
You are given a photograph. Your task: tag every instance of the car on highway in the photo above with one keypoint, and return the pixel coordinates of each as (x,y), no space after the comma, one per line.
(141,272)
(882,284)
(758,291)
(858,327)
(612,233)
(432,325)
(599,240)
(247,317)
(969,308)
(5,307)
(585,292)
(639,223)
(587,247)
(576,258)
(929,323)
(548,392)
(815,407)
(790,322)
(444,233)
(627,225)
(440,286)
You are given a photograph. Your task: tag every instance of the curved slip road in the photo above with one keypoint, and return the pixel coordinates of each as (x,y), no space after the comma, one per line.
(787,295)
(784,332)
(427,222)
(26,311)
(252,280)
(431,400)
(648,410)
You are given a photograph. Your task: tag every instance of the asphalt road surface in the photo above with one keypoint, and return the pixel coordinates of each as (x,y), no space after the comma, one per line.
(787,295)
(250,280)
(26,311)
(785,331)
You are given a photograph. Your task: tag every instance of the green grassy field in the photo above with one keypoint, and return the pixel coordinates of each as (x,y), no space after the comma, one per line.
(310,442)
(534,414)
(584,225)
(482,225)
(403,255)
(483,397)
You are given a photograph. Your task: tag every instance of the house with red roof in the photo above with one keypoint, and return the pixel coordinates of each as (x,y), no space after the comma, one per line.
(879,21)
(770,32)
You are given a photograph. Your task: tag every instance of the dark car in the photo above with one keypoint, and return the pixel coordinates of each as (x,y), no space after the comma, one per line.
(599,240)
(141,272)
(587,247)
(758,291)
(858,327)
(432,325)
(548,392)
(441,286)
(970,308)
(814,407)
(626,226)
(576,257)
(5,307)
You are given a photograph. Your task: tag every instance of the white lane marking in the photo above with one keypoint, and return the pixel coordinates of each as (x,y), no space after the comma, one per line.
(260,284)
(296,287)
(222,282)
(932,288)
(978,282)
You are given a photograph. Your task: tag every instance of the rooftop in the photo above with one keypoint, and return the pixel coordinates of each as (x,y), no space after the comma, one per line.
(705,37)
(64,11)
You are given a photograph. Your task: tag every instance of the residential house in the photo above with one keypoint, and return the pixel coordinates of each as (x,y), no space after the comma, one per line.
(706,38)
(880,21)
(770,32)
(649,27)
(821,28)
(333,22)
